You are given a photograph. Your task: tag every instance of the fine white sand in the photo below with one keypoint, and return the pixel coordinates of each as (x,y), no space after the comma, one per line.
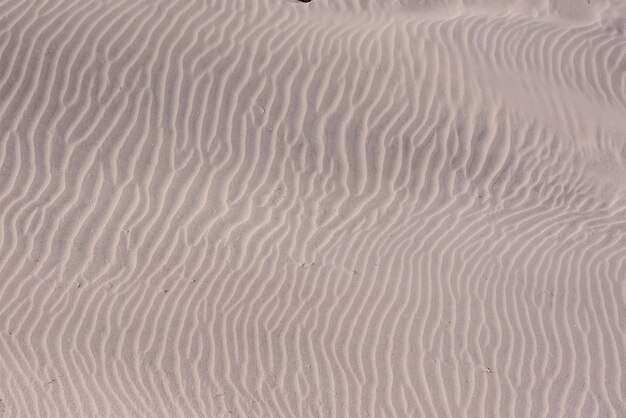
(266,208)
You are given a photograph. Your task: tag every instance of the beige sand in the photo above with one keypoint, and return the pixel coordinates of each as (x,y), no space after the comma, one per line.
(386,208)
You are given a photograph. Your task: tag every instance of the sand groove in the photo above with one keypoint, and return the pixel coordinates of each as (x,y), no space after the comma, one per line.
(335,209)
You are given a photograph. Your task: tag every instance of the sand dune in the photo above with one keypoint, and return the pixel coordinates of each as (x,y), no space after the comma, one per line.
(269,208)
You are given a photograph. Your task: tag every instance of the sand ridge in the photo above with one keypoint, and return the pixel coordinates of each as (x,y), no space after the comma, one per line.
(269,208)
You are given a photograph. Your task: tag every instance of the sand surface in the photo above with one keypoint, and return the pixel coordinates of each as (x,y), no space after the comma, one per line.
(265,208)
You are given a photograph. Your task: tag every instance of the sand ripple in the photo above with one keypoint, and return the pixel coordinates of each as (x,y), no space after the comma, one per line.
(265,208)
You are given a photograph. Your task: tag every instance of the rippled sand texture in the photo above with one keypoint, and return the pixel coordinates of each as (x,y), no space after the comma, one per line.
(342,208)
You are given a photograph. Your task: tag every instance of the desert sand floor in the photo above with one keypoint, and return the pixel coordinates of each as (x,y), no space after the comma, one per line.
(265,208)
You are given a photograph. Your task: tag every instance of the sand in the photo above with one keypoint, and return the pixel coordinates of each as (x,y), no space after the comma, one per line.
(385,208)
